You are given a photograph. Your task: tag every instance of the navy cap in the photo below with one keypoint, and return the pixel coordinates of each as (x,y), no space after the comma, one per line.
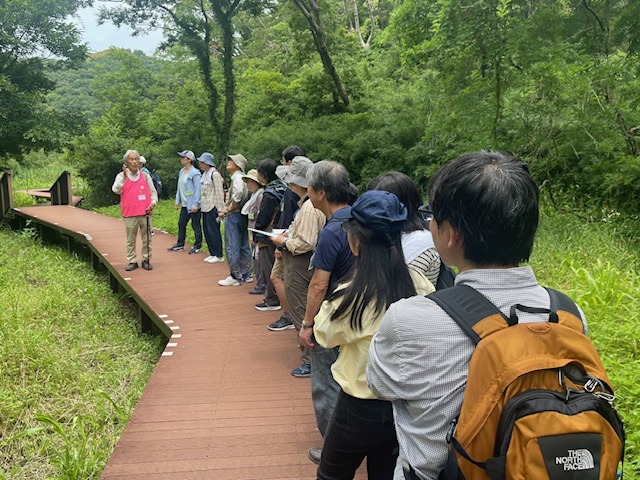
(379,211)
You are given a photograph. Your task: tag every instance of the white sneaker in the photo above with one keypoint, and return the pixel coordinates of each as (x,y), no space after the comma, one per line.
(214,259)
(229,282)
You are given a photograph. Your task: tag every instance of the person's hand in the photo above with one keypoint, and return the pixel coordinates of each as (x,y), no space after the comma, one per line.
(278,254)
(194,209)
(176,207)
(124,167)
(304,337)
(279,240)
(221,214)
(150,207)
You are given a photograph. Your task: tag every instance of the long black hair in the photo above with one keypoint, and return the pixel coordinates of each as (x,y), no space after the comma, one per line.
(379,277)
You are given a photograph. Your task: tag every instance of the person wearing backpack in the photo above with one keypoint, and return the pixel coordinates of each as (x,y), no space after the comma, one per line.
(535,387)
(188,202)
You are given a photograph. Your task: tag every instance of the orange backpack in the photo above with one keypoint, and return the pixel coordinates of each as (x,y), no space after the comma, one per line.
(538,402)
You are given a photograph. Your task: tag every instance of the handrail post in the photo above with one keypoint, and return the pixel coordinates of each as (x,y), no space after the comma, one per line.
(6,194)
(61,190)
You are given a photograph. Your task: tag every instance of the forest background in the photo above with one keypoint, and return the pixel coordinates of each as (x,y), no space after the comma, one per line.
(378,85)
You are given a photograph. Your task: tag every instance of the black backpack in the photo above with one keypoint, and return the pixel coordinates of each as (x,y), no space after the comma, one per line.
(157,183)
(446,277)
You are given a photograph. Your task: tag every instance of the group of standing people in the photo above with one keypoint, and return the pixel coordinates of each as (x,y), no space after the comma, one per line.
(388,365)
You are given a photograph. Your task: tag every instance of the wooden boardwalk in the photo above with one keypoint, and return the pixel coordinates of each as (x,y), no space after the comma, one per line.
(221,403)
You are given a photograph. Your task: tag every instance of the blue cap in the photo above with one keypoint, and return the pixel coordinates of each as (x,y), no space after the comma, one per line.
(379,211)
(207,158)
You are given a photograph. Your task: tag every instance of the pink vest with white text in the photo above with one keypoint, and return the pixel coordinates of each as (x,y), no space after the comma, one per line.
(135,197)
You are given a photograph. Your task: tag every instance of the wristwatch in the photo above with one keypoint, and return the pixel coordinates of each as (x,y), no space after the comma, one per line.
(304,325)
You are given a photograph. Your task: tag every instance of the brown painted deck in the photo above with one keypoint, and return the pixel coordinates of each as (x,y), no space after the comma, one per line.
(46,194)
(221,403)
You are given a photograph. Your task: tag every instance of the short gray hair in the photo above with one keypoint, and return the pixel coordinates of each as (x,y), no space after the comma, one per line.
(333,178)
(129,152)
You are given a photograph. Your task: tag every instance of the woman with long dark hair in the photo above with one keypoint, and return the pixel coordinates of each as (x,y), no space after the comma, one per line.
(362,426)
(417,244)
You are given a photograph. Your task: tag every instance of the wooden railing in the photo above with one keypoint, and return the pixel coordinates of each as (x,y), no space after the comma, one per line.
(6,194)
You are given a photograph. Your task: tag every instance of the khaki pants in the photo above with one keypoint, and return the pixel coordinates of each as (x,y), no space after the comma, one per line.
(132,225)
(296,283)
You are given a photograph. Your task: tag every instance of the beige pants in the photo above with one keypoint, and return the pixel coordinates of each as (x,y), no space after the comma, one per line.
(132,225)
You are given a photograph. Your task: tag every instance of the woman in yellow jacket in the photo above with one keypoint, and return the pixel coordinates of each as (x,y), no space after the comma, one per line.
(362,425)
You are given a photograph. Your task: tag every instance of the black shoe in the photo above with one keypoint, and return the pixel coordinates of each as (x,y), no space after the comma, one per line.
(281,324)
(266,307)
(146,265)
(315,454)
(257,291)
(194,250)
(175,248)
(131,266)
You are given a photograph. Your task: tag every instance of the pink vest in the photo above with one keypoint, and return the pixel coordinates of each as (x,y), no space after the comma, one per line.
(135,197)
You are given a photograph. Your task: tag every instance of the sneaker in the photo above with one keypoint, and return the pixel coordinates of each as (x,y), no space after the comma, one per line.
(175,248)
(247,279)
(303,370)
(265,307)
(229,282)
(146,265)
(257,291)
(315,454)
(281,324)
(131,266)
(194,250)
(214,259)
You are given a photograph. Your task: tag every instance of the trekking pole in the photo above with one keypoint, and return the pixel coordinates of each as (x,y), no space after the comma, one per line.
(148,238)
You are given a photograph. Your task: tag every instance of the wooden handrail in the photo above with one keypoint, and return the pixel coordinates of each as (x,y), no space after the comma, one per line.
(6,194)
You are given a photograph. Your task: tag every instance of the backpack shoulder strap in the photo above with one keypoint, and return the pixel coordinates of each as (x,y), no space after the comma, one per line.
(468,308)
(559,302)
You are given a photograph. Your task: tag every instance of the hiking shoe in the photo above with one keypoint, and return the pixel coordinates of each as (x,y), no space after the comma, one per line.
(175,248)
(257,291)
(265,307)
(247,279)
(194,250)
(229,282)
(146,265)
(281,324)
(131,266)
(303,370)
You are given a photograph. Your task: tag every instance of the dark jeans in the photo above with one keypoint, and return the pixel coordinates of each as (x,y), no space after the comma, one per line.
(212,232)
(236,244)
(359,428)
(185,216)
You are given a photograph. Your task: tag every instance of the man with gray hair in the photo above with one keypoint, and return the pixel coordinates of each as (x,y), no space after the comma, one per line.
(137,197)
(329,191)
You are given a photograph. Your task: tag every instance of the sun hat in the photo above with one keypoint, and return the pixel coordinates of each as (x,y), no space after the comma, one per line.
(252,175)
(297,172)
(379,211)
(239,160)
(187,154)
(207,158)
(142,160)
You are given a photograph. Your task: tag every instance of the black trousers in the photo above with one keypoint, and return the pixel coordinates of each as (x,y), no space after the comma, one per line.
(184,218)
(359,428)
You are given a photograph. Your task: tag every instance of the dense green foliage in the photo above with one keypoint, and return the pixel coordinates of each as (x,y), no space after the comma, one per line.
(71,363)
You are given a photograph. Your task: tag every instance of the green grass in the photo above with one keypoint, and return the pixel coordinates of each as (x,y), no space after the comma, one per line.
(71,363)
(599,269)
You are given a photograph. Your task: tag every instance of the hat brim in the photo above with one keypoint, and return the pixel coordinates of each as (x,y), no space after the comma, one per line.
(298,180)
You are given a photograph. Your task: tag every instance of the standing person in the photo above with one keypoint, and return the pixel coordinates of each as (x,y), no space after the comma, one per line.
(211,202)
(329,190)
(417,243)
(288,208)
(137,198)
(236,237)
(188,202)
(362,426)
(251,209)
(484,219)
(268,217)
(297,248)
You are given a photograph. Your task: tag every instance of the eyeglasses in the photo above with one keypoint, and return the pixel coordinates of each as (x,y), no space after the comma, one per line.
(425,212)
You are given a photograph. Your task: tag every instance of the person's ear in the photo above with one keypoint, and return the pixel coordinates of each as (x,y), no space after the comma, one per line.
(455,239)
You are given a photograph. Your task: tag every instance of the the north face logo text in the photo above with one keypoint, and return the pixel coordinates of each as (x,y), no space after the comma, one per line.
(580,459)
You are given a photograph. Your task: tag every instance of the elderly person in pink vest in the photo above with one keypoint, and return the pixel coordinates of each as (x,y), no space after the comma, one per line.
(137,197)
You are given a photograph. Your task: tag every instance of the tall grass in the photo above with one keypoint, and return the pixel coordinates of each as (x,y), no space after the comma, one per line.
(71,363)
(599,268)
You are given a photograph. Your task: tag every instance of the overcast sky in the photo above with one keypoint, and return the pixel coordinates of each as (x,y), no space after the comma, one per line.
(101,37)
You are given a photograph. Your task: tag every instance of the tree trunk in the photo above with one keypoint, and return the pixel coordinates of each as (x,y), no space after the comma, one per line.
(312,14)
